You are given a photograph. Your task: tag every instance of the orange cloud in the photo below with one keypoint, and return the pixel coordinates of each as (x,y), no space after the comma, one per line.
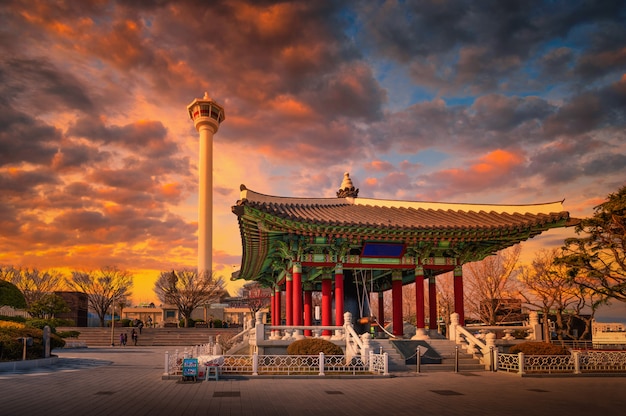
(171,190)
(379,166)
(497,161)
(291,107)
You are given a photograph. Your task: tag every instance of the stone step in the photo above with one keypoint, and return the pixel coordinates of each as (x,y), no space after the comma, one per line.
(98,337)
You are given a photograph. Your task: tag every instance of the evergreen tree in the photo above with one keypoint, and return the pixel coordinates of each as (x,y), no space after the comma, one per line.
(597,259)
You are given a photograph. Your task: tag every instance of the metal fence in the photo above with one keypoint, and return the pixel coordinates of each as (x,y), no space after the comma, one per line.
(578,362)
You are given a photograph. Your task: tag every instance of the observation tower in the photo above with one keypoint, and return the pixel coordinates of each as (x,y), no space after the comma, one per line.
(206,115)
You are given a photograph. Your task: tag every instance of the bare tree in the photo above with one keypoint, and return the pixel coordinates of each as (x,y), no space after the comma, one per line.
(408,303)
(8,273)
(258,298)
(489,284)
(35,283)
(445,296)
(186,289)
(550,287)
(104,288)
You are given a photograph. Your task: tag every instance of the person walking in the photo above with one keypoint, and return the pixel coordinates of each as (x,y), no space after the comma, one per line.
(134,336)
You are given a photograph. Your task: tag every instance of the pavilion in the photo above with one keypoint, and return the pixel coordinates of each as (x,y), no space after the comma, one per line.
(346,245)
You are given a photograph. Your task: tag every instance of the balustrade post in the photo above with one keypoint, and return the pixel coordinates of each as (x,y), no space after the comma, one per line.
(490,343)
(371,362)
(520,358)
(321,364)
(385,364)
(536,331)
(255,364)
(454,323)
(167,364)
(576,355)
(259,328)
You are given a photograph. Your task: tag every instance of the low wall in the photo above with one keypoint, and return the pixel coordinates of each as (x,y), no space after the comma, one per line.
(12,366)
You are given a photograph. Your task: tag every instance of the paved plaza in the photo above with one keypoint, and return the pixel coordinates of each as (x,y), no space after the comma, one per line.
(128,381)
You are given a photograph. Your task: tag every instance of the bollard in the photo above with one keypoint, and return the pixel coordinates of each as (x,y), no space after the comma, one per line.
(456,358)
(167,364)
(417,357)
(255,364)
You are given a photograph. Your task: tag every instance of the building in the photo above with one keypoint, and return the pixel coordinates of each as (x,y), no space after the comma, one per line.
(78,303)
(348,246)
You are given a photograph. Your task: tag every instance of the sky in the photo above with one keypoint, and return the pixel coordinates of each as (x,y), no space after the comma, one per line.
(504,102)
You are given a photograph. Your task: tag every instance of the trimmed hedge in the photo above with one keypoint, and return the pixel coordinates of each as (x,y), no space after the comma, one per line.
(11,349)
(313,346)
(539,348)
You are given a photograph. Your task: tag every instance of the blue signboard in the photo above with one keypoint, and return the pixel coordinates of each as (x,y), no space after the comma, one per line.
(190,367)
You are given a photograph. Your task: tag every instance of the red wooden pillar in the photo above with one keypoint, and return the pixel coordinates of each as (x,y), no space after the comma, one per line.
(420,314)
(297,294)
(339,294)
(432,303)
(459,306)
(326,303)
(272,308)
(288,299)
(396,300)
(308,309)
(277,301)
(381,310)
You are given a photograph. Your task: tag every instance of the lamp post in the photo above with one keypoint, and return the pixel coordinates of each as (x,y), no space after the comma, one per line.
(113,325)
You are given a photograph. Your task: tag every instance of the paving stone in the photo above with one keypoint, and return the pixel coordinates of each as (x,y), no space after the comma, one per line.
(106,381)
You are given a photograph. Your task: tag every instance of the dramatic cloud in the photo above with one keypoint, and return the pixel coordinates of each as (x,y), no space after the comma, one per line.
(462,101)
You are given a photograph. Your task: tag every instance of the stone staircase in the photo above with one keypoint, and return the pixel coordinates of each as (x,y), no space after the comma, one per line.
(447,350)
(443,347)
(101,337)
(396,360)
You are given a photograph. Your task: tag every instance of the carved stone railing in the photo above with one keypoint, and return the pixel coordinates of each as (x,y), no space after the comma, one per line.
(267,336)
(287,364)
(482,341)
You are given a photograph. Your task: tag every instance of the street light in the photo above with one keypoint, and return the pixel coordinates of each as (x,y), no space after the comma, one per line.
(113,325)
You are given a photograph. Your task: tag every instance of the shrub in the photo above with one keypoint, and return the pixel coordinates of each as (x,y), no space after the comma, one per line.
(539,348)
(68,334)
(52,323)
(11,325)
(11,349)
(313,346)
(12,318)
(191,323)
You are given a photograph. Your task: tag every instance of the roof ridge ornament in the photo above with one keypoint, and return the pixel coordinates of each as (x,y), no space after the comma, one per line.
(347,189)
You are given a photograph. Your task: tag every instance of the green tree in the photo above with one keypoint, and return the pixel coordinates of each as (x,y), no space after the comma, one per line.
(48,306)
(10,295)
(186,290)
(103,287)
(597,259)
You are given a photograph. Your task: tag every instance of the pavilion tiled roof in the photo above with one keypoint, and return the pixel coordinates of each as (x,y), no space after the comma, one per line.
(372,213)
(263,216)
